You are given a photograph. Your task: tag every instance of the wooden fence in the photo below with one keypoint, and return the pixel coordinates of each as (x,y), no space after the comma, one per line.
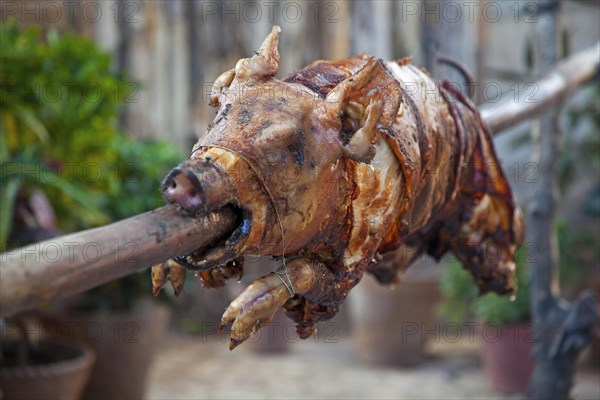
(173,50)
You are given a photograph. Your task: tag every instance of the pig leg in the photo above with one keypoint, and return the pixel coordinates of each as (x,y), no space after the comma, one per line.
(168,271)
(258,302)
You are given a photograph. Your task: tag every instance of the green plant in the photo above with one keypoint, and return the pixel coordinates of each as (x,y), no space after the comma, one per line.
(140,167)
(58,107)
(463,301)
(578,255)
(59,104)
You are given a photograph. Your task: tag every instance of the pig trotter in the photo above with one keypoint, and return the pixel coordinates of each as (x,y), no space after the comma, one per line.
(258,303)
(168,271)
(254,307)
(159,277)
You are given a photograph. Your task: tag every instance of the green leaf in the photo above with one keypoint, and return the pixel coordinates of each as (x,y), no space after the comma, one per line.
(28,117)
(462,300)
(46,177)
(8,196)
(4,153)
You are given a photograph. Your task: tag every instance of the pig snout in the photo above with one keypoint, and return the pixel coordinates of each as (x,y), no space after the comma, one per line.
(181,187)
(197,186)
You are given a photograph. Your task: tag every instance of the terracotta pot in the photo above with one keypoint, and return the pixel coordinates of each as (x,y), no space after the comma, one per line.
(506,356)
(125,343)
(391,325)
(61,372)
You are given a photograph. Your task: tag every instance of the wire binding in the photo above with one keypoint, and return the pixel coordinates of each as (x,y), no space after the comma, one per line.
(281,271)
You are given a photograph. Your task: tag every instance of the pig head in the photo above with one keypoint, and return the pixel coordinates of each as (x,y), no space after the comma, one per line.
(327,170)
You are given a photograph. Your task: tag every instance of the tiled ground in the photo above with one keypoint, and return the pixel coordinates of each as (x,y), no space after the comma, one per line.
(190,368)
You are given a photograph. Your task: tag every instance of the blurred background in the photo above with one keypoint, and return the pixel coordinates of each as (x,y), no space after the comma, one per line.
(99,99)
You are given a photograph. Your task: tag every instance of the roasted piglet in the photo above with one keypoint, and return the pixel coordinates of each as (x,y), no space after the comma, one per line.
(331,168)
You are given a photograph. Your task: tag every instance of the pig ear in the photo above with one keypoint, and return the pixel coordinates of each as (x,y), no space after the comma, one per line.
(220,87)
(366,103)
(264,64)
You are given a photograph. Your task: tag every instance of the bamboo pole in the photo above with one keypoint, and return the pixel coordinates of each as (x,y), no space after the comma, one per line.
(75,263)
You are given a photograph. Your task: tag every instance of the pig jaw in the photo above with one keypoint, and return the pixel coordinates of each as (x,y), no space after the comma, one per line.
(293,214)
(282,214)
(210,180)
(279,215)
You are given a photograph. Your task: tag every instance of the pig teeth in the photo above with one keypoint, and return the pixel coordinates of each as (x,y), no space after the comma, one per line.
(168,271)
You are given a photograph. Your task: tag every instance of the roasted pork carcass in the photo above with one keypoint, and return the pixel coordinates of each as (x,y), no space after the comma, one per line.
(341,168)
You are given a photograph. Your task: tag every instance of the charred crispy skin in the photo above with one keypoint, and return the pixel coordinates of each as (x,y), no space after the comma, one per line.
(331,168)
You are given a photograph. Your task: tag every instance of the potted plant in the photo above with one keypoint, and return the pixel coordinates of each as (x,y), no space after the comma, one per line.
(66,167)
(505,328)
(39,367)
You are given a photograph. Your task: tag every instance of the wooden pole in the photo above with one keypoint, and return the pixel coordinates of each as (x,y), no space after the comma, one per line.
(551,90)
(35,274)
(74,263)
(562,329)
